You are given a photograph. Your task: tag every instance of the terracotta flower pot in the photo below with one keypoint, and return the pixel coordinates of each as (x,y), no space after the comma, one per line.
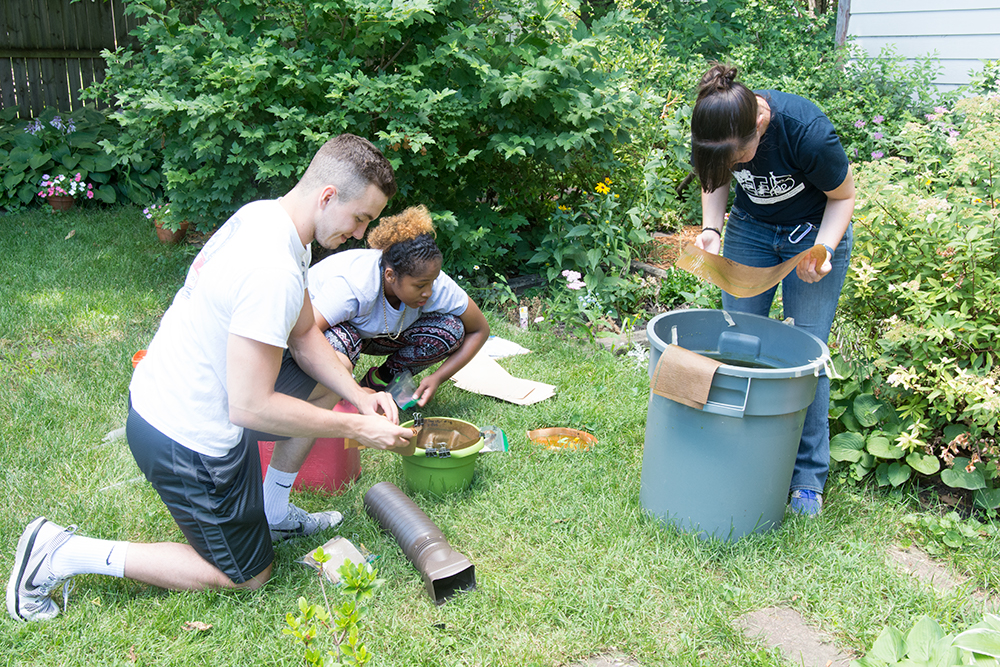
(61,202)
(168,237)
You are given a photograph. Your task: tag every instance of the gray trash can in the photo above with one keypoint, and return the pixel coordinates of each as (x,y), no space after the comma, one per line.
(723,471)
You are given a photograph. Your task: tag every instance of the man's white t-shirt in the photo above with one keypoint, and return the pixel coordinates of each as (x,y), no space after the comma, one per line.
(249,280)
(347,287)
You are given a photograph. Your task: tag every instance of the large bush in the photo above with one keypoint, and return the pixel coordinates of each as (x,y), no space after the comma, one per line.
(918,315)
(482,108)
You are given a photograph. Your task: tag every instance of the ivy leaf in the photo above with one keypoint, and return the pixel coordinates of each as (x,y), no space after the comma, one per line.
(847,447)
(980,640)
(866,410)
(889,646)
(958,478)
(880,446)
(898,473)
(37,160)
(944,654)
(987,498)
(922,638)
(925,464)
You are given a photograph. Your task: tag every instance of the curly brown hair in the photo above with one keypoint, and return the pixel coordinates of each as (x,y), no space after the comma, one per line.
(406,240)
(409,224)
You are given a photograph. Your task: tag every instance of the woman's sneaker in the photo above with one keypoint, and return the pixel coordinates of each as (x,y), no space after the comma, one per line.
(806,502)
(32,579)
(298,523)
(371,380)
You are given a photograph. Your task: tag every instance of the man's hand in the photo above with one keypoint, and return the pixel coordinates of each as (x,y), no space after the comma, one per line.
(379,433)
(379,403)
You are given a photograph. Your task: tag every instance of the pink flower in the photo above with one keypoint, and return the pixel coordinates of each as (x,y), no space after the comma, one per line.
(576,284)
(77,177)
(878,119)
(571,276)
(90,195)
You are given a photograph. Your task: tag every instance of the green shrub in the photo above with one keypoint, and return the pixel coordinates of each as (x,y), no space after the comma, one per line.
(918,310)
(482,109)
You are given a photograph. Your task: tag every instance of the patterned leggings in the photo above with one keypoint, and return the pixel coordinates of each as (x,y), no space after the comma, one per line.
(432,338)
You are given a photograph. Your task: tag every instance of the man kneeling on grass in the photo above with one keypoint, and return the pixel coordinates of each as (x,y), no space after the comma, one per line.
(215,380)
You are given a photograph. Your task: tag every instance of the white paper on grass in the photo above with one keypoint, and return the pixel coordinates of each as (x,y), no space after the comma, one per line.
(498,348)
(483,375)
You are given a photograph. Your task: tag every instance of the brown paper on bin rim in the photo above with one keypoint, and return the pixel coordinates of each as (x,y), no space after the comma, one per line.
(683,376)
(738,279)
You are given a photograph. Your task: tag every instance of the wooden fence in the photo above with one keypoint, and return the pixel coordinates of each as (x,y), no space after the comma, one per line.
(50,50)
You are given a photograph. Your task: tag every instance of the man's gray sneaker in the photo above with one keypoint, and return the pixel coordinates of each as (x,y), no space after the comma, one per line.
(298,523)
(32,579)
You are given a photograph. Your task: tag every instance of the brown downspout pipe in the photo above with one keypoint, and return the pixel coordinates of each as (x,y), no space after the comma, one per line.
(445,571)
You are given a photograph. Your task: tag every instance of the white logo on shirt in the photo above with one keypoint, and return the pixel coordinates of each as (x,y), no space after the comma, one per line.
(768,189)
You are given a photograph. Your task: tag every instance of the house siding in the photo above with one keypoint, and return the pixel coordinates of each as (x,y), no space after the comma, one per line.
(959,33)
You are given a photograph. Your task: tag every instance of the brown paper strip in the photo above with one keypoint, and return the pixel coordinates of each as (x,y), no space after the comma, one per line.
(683,376)
(738,279)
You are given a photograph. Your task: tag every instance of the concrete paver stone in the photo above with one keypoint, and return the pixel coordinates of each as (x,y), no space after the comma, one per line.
(788,631)
(917,563)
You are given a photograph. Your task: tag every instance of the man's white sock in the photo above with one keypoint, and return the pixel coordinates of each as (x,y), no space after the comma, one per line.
(277,488)
(87,555)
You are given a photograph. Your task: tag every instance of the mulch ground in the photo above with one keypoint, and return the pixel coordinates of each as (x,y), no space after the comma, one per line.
(666,248)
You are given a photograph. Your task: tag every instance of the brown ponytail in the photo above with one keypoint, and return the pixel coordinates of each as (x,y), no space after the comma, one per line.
(723,122)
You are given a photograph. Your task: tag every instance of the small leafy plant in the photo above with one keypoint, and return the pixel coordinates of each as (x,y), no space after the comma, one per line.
(950,530)
(68,143)
(927,645)
(165,215)
(62,185)
(343,625)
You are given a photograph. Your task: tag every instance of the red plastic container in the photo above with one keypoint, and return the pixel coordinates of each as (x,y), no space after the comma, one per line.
(329,467)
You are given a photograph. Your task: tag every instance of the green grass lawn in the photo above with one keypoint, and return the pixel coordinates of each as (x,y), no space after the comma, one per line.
(567,563)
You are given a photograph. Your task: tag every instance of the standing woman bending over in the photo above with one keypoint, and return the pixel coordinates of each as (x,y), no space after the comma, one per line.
(394,300)
(794,189)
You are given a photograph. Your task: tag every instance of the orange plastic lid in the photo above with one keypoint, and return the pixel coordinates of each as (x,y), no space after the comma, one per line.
(137,357)
(562,438)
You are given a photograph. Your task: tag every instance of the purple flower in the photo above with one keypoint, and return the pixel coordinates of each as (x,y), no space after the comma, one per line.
(877,136)
(930,116)
(940,110)
(859,124)
(877,155)
(953,133)
(878,119)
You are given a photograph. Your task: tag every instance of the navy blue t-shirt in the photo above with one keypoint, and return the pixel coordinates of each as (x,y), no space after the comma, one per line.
(799,159)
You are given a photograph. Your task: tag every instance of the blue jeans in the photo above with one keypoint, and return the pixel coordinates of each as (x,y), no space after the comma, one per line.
(811,305)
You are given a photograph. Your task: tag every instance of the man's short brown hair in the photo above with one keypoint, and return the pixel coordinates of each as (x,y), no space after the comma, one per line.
(351,164)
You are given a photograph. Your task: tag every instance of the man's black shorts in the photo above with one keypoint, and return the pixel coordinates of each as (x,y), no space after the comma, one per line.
(218,502)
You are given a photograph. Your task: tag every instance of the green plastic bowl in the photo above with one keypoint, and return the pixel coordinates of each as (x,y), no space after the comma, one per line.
(441,476)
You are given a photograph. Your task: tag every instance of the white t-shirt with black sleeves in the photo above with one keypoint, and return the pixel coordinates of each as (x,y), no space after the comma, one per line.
(248,280)
(347,287)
